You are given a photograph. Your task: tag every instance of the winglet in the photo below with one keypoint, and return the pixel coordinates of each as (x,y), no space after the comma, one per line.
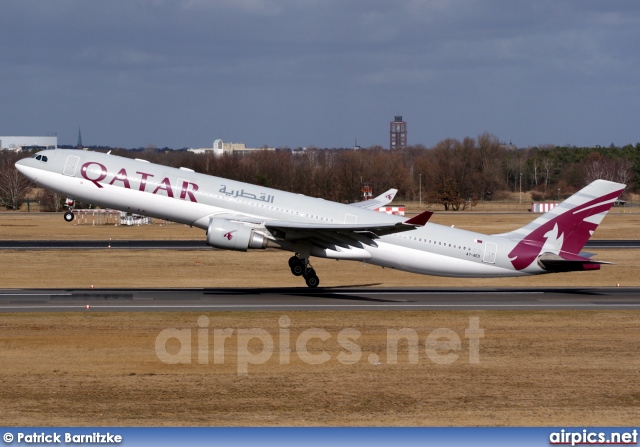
(420,219)
(382,200)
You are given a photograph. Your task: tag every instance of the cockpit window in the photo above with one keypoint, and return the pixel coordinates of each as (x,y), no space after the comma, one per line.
(39,157)
(44,158)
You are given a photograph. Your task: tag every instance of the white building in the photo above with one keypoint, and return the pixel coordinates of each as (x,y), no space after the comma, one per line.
(220,148)
(17,143)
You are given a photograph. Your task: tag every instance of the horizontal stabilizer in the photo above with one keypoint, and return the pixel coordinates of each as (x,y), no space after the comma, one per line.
(554,263)
(586,254)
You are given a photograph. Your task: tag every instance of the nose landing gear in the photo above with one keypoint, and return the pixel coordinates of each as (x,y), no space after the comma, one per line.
(301,267)
(68,216)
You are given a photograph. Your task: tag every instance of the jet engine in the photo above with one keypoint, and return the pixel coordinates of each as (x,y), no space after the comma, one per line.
(228,235)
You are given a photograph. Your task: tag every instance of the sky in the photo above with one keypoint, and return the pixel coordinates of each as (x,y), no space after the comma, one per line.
(322,73)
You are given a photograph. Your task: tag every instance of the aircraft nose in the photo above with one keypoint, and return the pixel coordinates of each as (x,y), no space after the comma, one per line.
(25,167)
(21,164)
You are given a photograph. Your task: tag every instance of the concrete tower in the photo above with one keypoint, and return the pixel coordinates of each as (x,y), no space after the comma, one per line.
(398,133)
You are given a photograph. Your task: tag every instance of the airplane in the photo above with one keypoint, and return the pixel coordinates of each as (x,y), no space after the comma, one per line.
(241,216)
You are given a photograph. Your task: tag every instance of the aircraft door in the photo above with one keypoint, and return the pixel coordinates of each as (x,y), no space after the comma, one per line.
(71,165)
(490,250)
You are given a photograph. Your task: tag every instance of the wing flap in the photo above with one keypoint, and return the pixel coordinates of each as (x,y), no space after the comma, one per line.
(342,235)
(378,229)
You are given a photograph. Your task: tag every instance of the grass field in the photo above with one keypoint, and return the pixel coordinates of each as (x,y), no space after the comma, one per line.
(535,368)
(264,268)
(260,268)
(540,368)
(619,224)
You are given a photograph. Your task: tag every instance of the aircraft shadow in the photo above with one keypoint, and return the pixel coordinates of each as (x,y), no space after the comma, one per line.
(320,292)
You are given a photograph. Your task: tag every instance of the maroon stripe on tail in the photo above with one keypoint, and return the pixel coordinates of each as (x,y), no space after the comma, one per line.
(571,227)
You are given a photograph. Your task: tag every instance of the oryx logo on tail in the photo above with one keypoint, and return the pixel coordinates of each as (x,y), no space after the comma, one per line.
(565,229)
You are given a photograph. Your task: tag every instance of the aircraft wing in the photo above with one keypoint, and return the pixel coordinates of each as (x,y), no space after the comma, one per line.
(381,200)
(343,235)
(323,235)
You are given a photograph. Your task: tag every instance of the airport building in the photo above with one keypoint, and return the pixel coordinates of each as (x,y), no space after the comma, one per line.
(19,143)
(397,133)
(220,148)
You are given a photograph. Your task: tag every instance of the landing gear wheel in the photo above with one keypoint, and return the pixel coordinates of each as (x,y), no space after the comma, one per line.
(68,216)
(297,269)
(297,265)
(312,281)
(301,267)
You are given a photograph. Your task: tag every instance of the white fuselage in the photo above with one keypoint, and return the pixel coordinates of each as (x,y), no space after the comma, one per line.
(191,198)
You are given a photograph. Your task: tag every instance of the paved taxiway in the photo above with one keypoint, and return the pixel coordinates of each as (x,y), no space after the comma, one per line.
(290,299)
(198,244)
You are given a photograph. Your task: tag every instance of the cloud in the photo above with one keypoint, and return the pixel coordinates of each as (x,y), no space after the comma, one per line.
(239,68)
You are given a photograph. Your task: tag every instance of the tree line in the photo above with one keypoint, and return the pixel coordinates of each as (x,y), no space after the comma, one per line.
(453,173)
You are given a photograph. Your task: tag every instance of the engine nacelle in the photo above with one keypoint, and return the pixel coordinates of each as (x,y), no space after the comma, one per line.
(233,236)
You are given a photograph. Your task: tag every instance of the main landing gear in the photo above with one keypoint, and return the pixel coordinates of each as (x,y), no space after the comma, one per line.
(68,216)
(301,267)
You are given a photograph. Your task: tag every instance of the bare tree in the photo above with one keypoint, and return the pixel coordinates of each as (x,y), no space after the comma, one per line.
(13,185)
(490,155)
(548,165)
(622,172)
(597,167)
(51,201)
(534,167)
(453,179)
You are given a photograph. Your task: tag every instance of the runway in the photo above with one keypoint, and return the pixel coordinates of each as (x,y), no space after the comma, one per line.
(304,299)
(199,244)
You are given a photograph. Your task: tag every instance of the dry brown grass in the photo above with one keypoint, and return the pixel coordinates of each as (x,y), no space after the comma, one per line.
(48,226)
(51,226)
(212,268)
(536,368)
(215,268)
